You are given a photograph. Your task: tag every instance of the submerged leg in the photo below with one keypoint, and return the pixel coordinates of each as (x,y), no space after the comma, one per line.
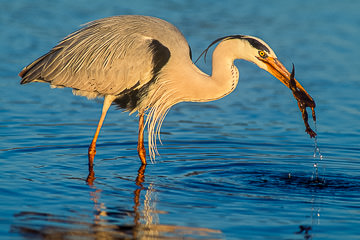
(92,148)
(140,146)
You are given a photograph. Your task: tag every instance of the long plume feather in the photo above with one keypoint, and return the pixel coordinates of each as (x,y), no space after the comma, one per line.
(216,41)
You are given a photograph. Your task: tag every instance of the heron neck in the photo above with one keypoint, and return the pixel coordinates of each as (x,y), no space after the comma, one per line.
(223,80)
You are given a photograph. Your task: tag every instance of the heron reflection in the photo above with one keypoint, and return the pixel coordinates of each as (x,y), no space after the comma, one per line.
(144,214)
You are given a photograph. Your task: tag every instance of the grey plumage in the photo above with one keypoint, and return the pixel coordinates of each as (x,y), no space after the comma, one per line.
(119,49)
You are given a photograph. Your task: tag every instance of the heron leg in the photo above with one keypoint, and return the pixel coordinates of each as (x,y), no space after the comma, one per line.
(92,148)
(140,147)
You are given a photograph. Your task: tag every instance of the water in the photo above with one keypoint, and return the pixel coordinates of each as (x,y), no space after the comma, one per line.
(237,168)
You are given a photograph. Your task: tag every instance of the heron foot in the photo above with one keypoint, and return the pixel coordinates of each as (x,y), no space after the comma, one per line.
(142,153)
(91,177)
(91,155)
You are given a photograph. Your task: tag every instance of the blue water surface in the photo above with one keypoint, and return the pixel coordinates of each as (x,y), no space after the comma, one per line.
(238,168)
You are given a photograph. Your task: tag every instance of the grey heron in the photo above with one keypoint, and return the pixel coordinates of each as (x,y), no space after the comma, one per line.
(143,64)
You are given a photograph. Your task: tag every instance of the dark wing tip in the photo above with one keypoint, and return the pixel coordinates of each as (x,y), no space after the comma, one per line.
(22,74)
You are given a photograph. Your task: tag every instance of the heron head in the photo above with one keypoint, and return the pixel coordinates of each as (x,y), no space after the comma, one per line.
(262,55)
(255,50)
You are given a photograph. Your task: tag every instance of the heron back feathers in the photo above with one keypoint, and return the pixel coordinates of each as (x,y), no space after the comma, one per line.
(110,56)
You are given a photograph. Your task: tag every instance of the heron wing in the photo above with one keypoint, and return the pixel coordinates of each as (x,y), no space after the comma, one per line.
(105,57)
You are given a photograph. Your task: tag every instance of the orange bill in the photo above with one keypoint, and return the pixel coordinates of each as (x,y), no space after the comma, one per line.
(276,68)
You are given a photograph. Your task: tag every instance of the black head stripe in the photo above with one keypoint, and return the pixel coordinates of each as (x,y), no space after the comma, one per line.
(256,44)
(253,42)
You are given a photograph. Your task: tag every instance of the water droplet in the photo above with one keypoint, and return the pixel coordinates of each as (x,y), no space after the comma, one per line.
(318,161)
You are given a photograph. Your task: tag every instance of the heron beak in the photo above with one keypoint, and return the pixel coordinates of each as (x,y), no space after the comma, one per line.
(304,100)
(277,69)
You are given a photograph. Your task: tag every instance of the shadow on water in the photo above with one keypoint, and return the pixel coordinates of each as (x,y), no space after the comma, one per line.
(144,215)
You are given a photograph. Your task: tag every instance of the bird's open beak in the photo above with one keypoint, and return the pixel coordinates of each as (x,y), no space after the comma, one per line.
(277,69)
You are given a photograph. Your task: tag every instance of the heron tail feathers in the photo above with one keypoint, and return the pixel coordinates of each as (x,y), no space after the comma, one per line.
(40,69)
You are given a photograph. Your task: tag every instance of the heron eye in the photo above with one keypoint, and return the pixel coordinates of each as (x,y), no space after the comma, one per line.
(262,54)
